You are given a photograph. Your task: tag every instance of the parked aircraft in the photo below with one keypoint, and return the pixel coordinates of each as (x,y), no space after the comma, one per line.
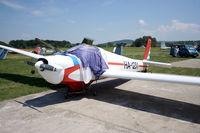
(118,50)
(164,47)
(43,50)
(79,66)
(3,54)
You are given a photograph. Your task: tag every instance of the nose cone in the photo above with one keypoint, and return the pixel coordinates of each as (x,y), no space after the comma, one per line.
(54,77)
(37,64)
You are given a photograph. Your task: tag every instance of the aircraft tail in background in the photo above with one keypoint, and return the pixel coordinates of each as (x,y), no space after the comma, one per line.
(147,61)
(118,50)
(163,46)
(3,54)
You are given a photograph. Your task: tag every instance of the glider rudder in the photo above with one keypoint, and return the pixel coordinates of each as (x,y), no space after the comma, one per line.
(147,61)
(147,50)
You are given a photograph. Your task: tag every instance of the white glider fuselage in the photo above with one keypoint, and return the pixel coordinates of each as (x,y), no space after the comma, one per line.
(68,66)
(122,63)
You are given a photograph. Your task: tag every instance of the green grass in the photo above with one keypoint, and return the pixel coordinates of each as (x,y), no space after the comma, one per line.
(16,79)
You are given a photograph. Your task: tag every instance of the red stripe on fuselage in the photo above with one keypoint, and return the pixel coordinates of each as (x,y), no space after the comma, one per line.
(73,85)
(122,64)
(68,71)
(115,63)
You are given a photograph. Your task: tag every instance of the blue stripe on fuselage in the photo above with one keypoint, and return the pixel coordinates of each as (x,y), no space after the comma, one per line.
(75,60)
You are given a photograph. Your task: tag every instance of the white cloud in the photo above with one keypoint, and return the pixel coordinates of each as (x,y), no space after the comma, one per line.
(142,22)
(179,26)
(175,31)
(108,2)
(25,36)
(37,13)
(70,21)
(11,4)
(100,29)
(20,7)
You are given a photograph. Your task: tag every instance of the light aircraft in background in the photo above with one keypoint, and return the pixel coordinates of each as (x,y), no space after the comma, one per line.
(3,54)
(164,47)
(77,71)
(43,50)
(118,50)
(38,49)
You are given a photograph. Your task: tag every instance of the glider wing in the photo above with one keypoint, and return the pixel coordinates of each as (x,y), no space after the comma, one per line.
(153,77)
(32,55)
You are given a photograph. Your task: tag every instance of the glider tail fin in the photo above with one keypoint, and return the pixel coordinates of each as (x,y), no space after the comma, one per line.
(37,50)
(162,45)
(3,54)
(147,51)
(147,61)
(118,50)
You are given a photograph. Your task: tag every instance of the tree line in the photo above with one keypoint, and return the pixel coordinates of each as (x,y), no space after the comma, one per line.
(34,43)
(197,42)
(139,42)
(142,41)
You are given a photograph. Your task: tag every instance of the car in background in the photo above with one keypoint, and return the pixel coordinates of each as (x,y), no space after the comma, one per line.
(184,51)
(198,48)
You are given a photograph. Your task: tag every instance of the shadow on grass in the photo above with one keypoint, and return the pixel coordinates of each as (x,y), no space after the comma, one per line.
(107,92)
(32,81)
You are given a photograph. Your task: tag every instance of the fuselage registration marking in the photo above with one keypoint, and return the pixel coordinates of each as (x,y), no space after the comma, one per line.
(130,65)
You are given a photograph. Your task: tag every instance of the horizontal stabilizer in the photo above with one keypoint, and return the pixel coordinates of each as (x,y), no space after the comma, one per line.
(153,77)
(160,64)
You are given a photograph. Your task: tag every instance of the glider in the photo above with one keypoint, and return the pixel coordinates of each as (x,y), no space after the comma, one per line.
(164,47)
(118,50)
(79,66)
(3,54)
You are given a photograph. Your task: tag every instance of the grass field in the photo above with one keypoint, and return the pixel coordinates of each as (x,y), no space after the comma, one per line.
(16,79)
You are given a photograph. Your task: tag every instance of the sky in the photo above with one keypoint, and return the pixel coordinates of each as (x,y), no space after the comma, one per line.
(101,20)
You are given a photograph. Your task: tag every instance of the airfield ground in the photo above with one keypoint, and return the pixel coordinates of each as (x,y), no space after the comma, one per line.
(191,63)
(120,106)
